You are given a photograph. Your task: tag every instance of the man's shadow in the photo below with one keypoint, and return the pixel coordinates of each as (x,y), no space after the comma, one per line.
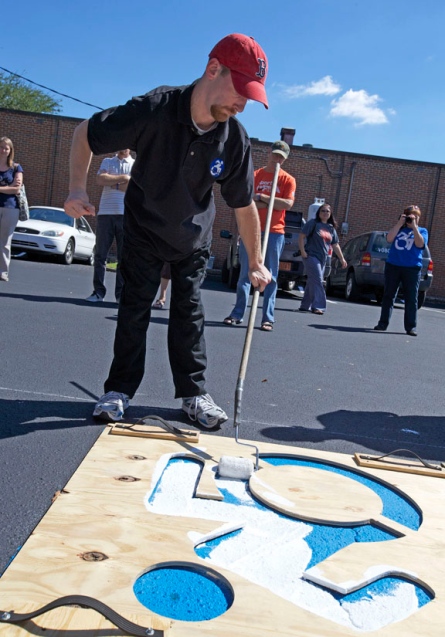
(382,431)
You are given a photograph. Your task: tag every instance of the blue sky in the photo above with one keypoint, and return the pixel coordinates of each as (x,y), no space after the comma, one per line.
(350,75)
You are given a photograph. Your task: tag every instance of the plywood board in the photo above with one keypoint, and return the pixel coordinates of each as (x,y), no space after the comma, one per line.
(103,509)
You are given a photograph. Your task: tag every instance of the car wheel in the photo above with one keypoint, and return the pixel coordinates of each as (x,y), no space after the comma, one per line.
(351,289)
(288,286)
(92,255)
(421,298)
(68,256)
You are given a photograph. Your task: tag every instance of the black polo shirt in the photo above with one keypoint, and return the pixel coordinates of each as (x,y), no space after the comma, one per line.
(169,205)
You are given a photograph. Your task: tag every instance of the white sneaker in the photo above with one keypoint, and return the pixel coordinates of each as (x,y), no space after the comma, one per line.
(111,406)
(204,410)
(94,298)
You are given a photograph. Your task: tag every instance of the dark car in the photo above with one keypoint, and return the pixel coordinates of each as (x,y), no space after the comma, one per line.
(291,272)
(366,255)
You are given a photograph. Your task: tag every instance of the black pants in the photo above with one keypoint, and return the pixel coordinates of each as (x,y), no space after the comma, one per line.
(409,277)
(141,272)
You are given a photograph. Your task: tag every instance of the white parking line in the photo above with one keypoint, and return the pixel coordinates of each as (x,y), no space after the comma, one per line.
(433,309)
(41,393)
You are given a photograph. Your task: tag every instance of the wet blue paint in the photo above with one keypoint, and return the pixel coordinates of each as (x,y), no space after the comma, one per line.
(182,592)
(395,506)
(385,586)
(323,540)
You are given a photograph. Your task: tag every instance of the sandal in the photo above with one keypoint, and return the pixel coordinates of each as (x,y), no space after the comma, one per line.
(317,312)
(159,305)
(267,326)
(229,320)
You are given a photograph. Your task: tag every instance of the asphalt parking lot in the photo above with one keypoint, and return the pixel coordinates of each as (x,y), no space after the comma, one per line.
(326,382)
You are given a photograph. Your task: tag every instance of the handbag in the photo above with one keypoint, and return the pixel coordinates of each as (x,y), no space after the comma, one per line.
(22,201)
(23,204)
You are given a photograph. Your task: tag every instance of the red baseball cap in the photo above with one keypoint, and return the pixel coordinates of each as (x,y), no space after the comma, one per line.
(247,63)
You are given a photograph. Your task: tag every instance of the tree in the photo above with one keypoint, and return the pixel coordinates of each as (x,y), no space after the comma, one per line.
(14,93)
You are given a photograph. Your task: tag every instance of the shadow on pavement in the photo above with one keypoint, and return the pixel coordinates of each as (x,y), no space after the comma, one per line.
(384,431)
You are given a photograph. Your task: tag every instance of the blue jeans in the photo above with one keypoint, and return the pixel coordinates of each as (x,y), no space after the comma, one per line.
(109,227)
(314,293)
(275,246)
(409,277)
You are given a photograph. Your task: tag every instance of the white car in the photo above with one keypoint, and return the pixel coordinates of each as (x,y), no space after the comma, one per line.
(51,231)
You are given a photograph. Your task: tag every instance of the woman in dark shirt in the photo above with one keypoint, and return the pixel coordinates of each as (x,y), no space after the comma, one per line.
(315,240)
(11,179)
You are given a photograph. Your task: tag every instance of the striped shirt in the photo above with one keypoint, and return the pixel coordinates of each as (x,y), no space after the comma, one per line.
(112,199)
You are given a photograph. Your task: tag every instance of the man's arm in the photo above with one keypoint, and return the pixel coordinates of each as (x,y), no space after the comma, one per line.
(77,203)
(118,181)
(249,229)
(262,201)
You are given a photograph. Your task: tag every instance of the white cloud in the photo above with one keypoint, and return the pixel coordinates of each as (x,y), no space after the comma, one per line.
(360,106)
(325,86)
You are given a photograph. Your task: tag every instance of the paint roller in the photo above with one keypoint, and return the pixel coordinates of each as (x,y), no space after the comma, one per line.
(241,468)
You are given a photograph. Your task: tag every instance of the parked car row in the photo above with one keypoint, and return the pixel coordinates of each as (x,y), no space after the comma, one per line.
(366,255)
(51,231)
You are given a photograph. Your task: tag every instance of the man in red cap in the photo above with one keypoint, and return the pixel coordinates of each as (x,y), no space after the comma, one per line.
(186,139)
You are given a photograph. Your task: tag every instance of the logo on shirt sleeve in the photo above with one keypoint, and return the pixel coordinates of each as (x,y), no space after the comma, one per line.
(216,167)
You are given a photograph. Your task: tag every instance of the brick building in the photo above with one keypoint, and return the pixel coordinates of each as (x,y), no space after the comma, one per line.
(367,192)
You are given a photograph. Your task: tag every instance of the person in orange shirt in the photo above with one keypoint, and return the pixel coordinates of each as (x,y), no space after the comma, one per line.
(284,200)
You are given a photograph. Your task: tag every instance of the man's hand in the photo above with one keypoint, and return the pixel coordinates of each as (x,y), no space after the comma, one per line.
(260,277)
(78,204)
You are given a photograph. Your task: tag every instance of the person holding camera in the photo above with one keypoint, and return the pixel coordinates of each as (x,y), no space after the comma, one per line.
(403,266)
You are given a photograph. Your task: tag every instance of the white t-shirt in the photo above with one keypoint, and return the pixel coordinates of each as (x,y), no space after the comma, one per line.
(112,199)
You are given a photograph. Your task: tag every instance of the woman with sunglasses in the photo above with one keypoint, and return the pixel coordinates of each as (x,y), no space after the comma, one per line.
(315,241)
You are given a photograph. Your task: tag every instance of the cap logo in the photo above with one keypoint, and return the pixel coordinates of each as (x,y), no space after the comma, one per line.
(262,68)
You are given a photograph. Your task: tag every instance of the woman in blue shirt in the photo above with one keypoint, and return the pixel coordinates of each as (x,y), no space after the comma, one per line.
(403,266)
(11,179)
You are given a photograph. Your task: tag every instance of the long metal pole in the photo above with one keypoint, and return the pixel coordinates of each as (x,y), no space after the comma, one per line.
(251,323)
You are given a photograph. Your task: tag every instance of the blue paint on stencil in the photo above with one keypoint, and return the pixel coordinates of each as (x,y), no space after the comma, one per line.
(187,593)
(385,586)
(325,540)
(395,506)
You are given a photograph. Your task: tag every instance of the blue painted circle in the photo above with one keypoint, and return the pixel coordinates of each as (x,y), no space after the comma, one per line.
(186,592)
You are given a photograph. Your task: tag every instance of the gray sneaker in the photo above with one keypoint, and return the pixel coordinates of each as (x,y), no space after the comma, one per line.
(94,298)
(204,410)
(111,406)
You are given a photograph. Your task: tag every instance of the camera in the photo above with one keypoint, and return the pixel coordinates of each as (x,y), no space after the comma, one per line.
(408,219)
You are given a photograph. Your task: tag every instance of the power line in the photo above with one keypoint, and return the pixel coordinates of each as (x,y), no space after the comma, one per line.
(99,108)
